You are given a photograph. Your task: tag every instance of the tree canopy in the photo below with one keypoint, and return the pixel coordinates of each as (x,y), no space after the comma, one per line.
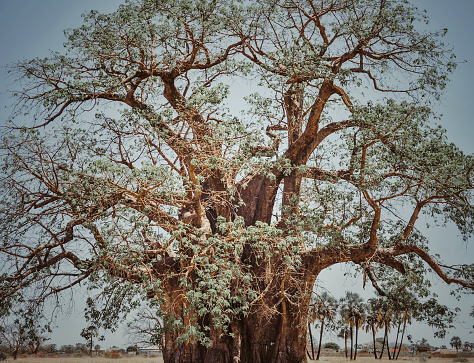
(128,165)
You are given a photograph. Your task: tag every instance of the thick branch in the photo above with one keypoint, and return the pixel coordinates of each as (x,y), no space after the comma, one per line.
(425,256)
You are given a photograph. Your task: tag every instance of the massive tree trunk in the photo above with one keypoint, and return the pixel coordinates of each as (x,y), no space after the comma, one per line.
(274,330)
(223,349)
(281,339)
(180,353)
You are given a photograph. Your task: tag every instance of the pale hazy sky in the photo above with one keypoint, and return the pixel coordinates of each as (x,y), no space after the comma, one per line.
(30,28)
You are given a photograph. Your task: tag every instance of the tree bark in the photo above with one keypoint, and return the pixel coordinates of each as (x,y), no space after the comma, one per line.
(280,339)
(373,339)
(401,339)
(388,346)
(357,336)
(278,336)
(345,343)
(181,353)
(396,341)
(352,341)
(383,343)
(320,339)
(311,339)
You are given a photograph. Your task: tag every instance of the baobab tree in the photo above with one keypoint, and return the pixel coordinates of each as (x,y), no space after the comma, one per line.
(125,165)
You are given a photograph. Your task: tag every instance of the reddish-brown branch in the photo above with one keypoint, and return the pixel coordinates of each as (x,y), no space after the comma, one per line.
(425,256)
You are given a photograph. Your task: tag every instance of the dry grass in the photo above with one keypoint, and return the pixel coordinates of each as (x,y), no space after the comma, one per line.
(160,360)
(400,359)
(85,359)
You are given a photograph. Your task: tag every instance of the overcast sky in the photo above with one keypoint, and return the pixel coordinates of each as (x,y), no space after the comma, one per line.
(30,28)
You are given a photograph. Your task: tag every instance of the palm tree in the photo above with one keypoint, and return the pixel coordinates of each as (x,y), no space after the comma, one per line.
(401,306)
(352,311)
(405,305)
(343,333)
(381,313)
(311,341)
(387,324)
(373,320)
(323,308)
(312,317)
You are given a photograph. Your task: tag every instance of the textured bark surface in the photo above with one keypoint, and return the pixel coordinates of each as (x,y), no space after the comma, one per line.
(274,331)
(274,341)
(280,340)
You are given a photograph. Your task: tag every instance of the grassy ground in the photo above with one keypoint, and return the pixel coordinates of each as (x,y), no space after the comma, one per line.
(160,360)
(87,360)
(329,357)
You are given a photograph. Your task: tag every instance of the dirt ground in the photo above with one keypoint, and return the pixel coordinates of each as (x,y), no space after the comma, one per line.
(160,360)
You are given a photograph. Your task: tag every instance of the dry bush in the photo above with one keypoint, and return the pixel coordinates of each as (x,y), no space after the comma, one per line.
(113,355)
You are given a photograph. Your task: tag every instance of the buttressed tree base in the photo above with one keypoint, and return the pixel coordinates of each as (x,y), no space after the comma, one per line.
(127,167)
